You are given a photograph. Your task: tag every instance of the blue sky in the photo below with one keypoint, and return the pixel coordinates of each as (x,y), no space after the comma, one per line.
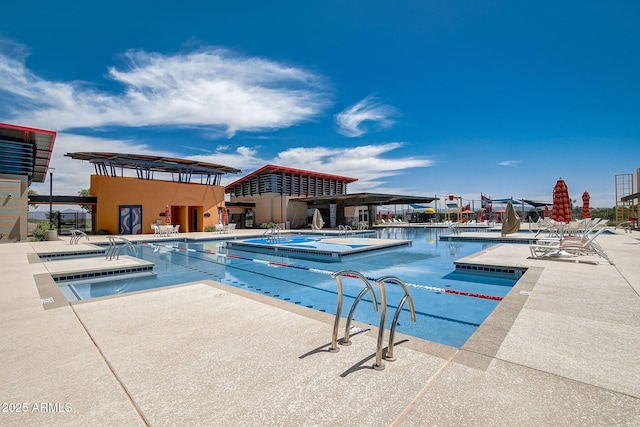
(410,97)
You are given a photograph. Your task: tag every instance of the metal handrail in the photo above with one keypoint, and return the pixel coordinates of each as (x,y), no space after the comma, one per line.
(76,235)
(383,312)
(394,322)
(272,235)
(336,324)
(368,287)
(115,249)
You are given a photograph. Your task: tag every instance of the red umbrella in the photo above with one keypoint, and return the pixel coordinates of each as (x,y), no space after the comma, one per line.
(225,216)
(546,211)
(379,215)
(480,216)
(167,215)
(561,203)
(388,215)
(586,213)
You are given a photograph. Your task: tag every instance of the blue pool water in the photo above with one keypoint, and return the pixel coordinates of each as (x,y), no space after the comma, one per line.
(428,262)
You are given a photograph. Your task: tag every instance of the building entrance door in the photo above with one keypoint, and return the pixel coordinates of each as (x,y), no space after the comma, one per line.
(130,219)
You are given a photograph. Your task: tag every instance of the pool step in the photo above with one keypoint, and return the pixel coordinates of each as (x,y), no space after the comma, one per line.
(98,267)
(489,270)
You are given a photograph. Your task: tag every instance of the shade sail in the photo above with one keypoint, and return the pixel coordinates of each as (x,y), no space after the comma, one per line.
(561,203)
(586,213)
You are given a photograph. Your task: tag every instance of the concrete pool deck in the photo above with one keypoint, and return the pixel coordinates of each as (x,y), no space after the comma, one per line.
(563,348)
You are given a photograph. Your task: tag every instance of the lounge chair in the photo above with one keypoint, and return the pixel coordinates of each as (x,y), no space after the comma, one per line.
(572,246)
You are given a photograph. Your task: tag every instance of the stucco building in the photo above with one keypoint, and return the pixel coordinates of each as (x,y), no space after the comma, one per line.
(24,158)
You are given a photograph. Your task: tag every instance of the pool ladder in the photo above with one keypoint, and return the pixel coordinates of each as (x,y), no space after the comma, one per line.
(272,235)
(381,282)
(76,235)
(115,249)
(344,230)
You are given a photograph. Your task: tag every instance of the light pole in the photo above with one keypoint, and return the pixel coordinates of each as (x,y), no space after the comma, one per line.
(51,198)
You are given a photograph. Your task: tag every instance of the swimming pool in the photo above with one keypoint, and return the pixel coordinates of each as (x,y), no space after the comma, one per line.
(444,316)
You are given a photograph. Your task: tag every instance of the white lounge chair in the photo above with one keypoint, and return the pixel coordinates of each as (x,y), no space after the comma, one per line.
(572,246)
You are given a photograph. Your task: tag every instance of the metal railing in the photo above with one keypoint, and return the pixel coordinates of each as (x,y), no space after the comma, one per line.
(381,282)
(76,235)
(336,324)
(344,230)
(272,235)
(115,249)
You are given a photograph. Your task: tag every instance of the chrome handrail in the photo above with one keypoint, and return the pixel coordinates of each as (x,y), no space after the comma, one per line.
(336,324)
(383,312)
(115,249)
(76,235)
(394,322)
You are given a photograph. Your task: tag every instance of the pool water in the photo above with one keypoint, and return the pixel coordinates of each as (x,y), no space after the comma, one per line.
(427,263)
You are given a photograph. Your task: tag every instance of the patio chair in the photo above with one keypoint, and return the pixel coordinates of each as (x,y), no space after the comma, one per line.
(176,229)
(572,246)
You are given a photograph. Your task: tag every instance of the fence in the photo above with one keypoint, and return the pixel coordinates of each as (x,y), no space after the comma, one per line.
(64,222)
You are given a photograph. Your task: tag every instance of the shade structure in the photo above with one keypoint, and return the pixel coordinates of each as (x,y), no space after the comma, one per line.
(225,216)
(586,213)
(561,203)
(511,221)
(167,215)
(429,210)
(317,223)
(546,211)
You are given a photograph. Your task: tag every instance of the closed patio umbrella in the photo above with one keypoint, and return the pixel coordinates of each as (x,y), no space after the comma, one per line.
(561,203)
(225,216)
(167,215)
(317,223)
(586,213)
(511,221)
(546,211)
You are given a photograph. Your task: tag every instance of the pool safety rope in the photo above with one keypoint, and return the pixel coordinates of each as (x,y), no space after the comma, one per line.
(327,272)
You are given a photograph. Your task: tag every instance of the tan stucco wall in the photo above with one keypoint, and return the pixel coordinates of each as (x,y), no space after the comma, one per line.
(13,208)
(153,196)
(272,207)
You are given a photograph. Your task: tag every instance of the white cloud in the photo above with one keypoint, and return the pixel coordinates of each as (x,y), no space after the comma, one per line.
(350,121)
(370,164)
(512,163)
(211,88)
(71,176)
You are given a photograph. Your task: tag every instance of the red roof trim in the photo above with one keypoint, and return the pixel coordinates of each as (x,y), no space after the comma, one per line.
(27,129)
(281,169)
(39,171)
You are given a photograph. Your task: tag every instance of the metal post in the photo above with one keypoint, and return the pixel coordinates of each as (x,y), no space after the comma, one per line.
(51,198)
